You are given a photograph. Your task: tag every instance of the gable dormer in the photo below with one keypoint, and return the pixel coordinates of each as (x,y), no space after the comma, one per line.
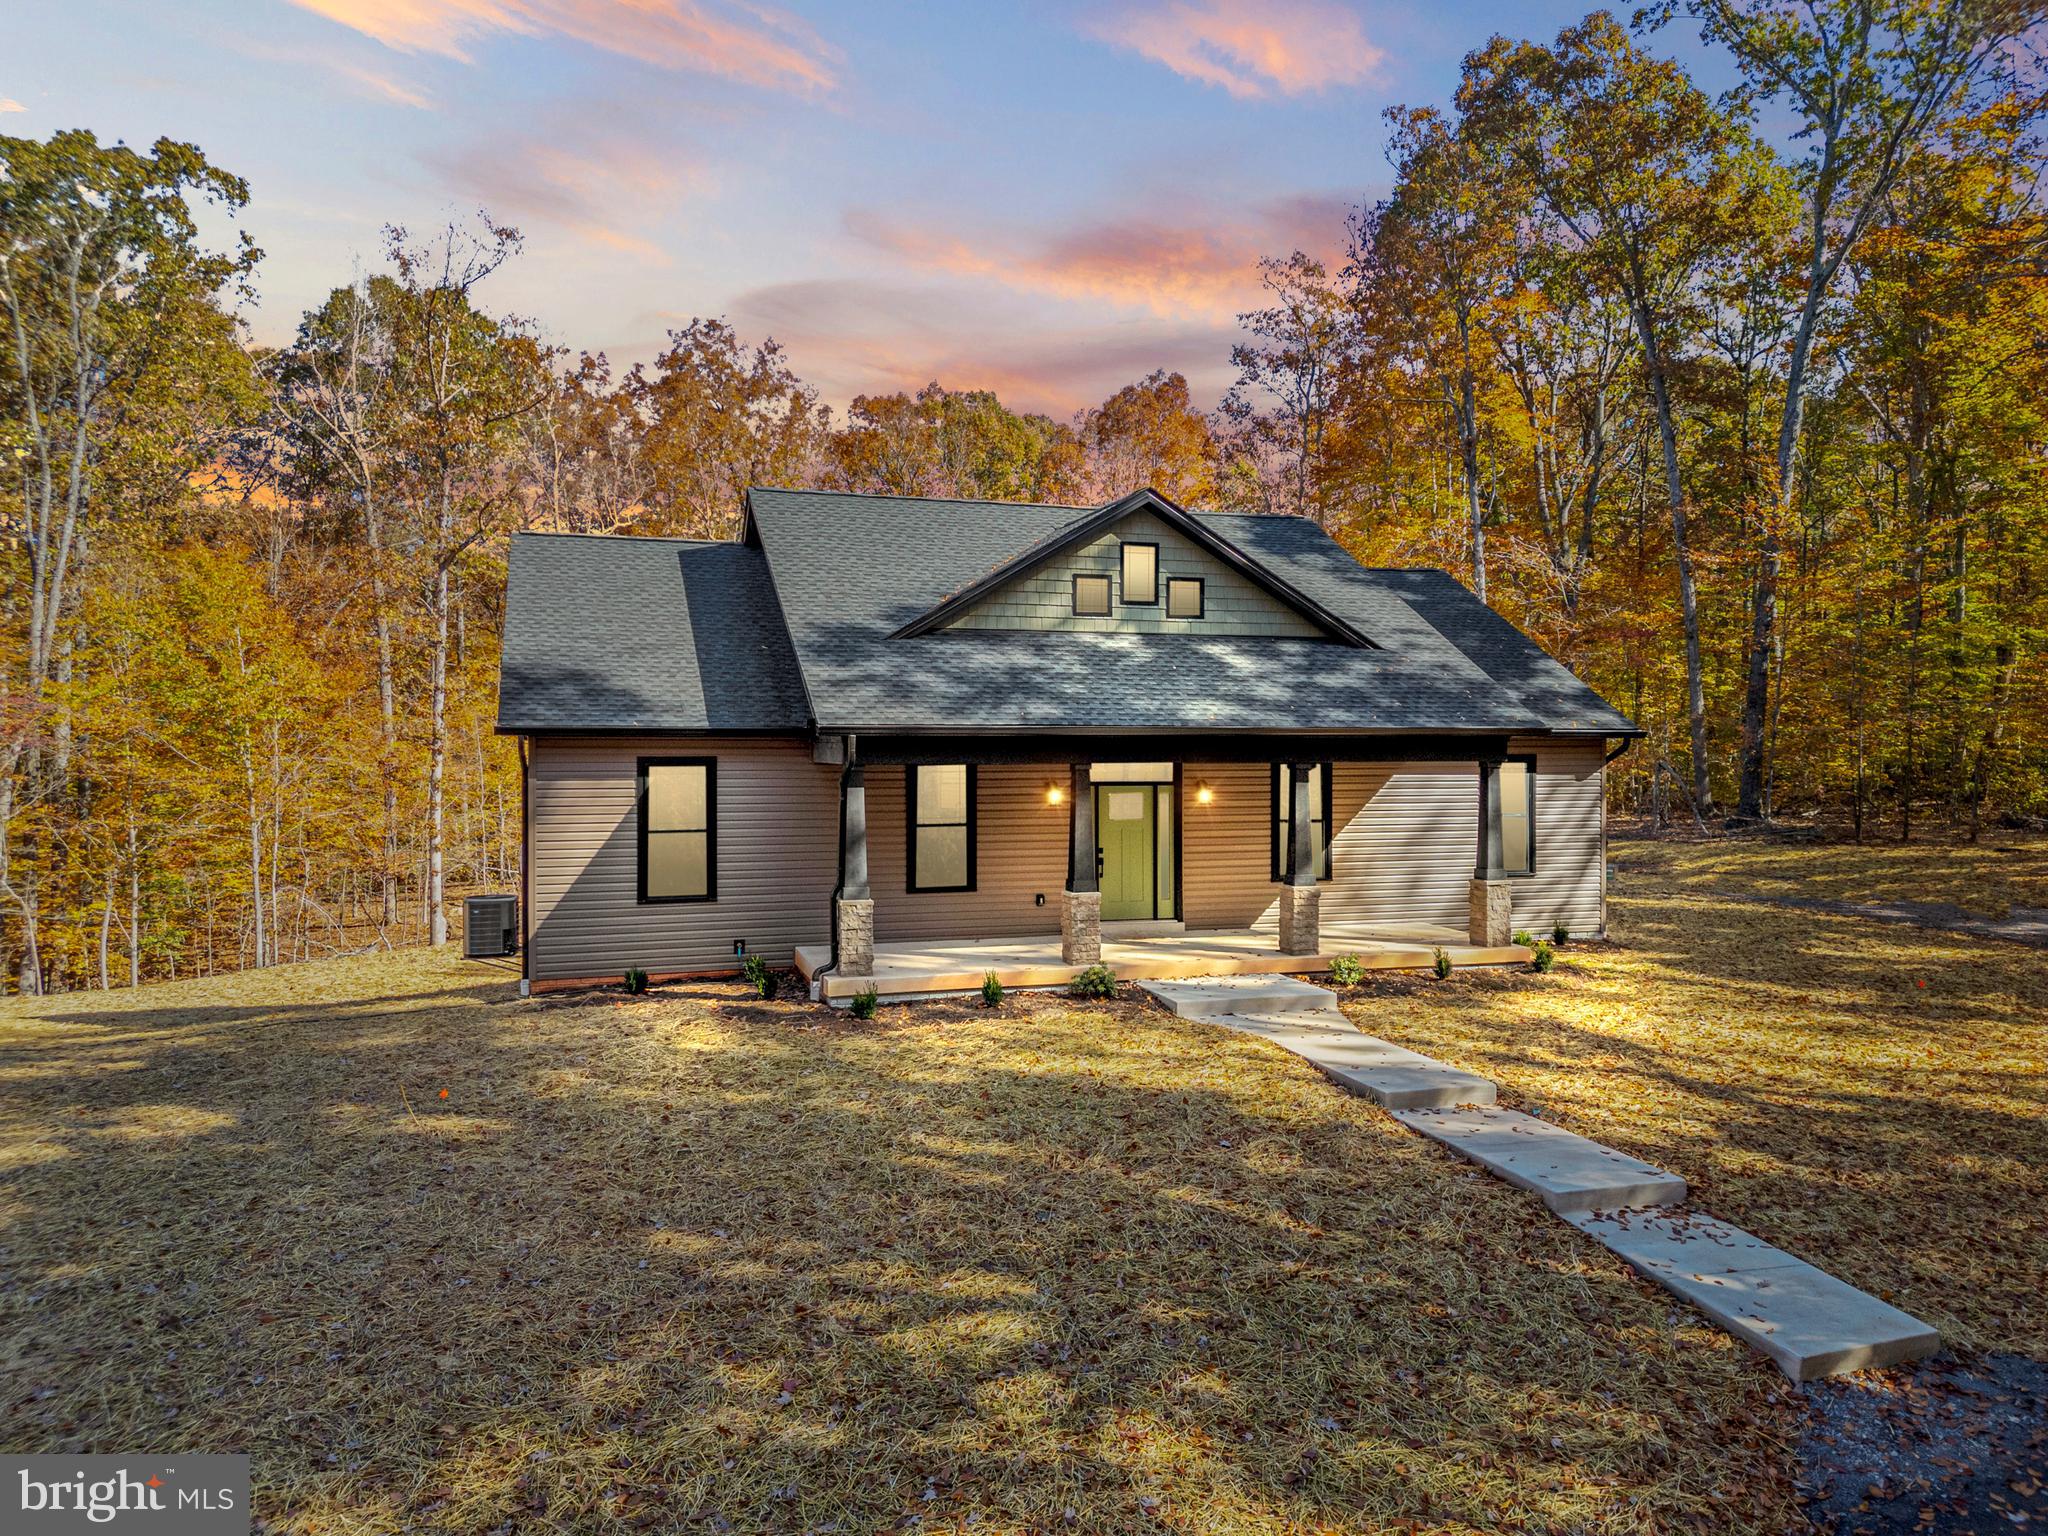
(1139,566)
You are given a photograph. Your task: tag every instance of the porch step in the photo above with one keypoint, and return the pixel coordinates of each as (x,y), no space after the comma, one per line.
(1389,1075)
(1210,997)
(1805,1319)
(1568,1172)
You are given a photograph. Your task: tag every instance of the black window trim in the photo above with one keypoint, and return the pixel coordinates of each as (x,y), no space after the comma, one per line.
(1158,577)
(1329,833)
(1108,594)
(1201,585)
(1528,761)
(710,767)
(911,824)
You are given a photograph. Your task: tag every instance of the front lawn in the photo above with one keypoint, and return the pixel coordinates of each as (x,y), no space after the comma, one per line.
(441,1260)
(1871,1096)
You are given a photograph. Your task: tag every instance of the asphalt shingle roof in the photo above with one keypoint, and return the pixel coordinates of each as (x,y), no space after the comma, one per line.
(852,570)
(660,634)
(608,634)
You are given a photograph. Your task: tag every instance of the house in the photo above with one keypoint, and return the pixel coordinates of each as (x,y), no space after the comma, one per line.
(901,741)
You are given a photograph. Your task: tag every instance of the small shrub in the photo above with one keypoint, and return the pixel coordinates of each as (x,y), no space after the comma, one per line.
(1347,970)
(759,977)
(1096,981)
(1544,957)
(635,980)
(1442,966)
(864,1003)
(1560,934)
(1525,938)
(991,991)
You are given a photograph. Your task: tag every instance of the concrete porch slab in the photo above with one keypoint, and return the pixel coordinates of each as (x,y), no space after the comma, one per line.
(1803,1318)
(1568,1172)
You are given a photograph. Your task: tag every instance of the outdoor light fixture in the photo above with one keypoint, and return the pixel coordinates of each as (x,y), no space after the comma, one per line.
(1204,795)
(1054,794)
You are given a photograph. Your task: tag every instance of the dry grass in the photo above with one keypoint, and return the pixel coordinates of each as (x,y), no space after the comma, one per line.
(1870,1096)
(2002,870)
(699,1263)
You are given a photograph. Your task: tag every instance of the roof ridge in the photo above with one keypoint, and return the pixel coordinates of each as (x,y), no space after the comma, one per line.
(620,538)
(964,501)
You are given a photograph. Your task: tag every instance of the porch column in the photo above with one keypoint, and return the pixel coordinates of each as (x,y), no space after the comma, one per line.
(1081,902)
(1300,901)
(1491,909)
(853,908)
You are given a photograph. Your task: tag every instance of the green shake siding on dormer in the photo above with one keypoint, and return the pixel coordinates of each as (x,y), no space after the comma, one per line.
(1232,605)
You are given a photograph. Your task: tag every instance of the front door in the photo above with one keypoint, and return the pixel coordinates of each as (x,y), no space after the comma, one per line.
(1126,831)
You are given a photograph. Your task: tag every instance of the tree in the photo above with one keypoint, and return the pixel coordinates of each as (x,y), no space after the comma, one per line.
(116,347)
(718,417)
(1149,433)
(1656,184)
(1868,82)
(1283,395)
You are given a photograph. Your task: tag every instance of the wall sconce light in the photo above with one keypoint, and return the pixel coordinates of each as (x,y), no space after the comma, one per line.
(1204,795)
(1054,795)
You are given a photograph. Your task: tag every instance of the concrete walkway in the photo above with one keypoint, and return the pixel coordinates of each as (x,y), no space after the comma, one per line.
(1805,1320)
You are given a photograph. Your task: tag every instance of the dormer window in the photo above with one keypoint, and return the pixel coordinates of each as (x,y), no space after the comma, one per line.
(1141,573)
(1184,597)
(1091,597)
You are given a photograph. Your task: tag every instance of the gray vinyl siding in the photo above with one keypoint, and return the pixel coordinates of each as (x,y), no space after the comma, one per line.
(1231,604)
(1406,839)
(778,840)
(1021,853)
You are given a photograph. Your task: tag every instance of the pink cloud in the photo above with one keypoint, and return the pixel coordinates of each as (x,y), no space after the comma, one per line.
(574,188)
(741,41)
(1194,261)
(847,338)
(1249,47)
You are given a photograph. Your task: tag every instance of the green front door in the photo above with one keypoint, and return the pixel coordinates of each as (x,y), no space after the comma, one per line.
(1126,829)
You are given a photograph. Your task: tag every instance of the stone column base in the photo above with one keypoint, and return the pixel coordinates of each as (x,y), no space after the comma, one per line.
(856,920)
(1081,927)
(1301,909)
(1492,913)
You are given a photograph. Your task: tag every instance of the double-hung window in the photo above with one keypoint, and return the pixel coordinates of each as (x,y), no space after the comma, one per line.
(678,829)
(1319,779)
(941,797)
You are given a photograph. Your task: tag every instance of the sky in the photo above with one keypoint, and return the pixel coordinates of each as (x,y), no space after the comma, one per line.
(1046,199)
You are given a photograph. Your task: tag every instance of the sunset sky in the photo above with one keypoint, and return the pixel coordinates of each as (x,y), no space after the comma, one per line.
(1045,199)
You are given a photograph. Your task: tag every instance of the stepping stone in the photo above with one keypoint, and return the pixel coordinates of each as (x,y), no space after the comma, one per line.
(1569,1172)
(1390,1075)
(1209,996)
(1807,1321)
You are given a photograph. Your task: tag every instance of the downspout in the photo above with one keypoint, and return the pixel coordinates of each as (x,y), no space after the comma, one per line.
(525,872)
(1609,760)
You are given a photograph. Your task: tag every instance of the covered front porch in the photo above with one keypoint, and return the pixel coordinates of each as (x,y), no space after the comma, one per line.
(938,967)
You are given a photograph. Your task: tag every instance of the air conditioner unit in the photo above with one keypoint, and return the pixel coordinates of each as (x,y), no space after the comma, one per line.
(490,927)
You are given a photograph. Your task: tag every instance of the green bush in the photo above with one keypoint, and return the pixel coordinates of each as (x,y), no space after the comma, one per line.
(1347,970)
(759,977)
(1096,981)
(991,990)
(1443,964)
(635,980)
(1544,957)
(1560,934)
(864,1003)
(1525,938)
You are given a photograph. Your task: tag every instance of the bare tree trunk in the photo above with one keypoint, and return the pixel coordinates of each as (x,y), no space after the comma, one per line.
(106,930)
(134,907)
(437,761)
